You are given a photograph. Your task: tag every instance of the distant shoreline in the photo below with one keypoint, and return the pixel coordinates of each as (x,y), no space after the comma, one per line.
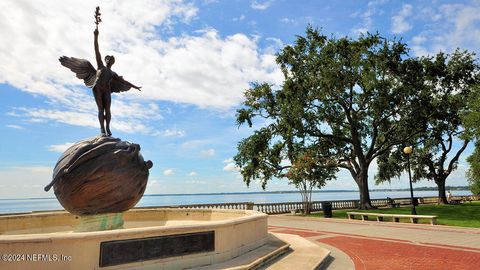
(272,192)
(314,191)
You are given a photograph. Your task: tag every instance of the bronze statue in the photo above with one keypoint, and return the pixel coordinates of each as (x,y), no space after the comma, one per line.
(103,81)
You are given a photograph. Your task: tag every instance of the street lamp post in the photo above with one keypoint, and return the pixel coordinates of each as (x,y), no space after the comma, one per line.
(408,150)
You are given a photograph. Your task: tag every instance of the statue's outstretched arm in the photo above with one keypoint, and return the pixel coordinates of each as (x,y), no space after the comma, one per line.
(97,50)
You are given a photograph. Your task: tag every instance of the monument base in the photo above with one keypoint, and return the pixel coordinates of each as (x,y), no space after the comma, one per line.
(153,238)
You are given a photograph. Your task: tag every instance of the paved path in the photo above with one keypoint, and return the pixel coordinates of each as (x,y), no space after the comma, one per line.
(374,245)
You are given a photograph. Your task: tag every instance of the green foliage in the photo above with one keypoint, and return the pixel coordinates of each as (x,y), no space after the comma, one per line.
(351,100)
(473,173)
(448,79)
(471,117)
(309,171)
(306,169)
(471,120)
(474,185)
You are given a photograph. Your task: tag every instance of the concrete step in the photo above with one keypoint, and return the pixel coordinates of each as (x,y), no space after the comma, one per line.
(253,259)
(282,252)
(305,254)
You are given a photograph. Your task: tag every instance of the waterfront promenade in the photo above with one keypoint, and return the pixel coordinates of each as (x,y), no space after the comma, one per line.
(386,245)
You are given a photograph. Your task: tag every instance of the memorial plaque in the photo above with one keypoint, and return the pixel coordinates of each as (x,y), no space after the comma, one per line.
(151,248)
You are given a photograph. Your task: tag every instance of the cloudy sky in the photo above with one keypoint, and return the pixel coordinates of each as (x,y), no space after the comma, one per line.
(193,59)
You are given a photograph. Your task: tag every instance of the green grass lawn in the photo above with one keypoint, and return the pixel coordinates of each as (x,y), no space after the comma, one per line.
(464,215)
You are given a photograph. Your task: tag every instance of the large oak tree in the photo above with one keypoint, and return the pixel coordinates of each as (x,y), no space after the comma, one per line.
(353,98)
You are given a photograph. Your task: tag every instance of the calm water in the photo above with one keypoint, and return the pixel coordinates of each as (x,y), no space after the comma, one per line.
(27,205)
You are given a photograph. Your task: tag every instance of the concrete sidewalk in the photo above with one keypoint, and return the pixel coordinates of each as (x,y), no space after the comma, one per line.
(386,245)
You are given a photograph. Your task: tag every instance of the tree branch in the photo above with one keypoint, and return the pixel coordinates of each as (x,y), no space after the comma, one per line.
(374,140)
(455,158)
(381,151)
(445,151)
(348,167)
(355,137)
(431,166)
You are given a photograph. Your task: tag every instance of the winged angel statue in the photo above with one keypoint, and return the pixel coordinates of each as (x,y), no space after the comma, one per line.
(103,80)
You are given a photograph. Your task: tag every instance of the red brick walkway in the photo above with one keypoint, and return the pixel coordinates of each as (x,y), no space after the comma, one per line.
(386,253)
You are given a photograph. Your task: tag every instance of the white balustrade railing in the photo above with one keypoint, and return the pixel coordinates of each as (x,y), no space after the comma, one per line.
(287,207)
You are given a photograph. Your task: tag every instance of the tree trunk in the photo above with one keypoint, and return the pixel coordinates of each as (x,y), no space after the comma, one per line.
(309,202)
(307,208)
(305,201)
(362,182)
(442,197)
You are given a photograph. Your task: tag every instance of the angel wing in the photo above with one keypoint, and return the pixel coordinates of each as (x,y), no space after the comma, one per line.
(81,67)
(118,84)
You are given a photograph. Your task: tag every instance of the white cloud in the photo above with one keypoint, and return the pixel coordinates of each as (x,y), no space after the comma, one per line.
(418,46)
(25,181)
(460,28)
(126,118)
(54,28)
(366,24)
(174,132)
(261,5)
(466,26)
(31,120)
(399,23)
(196,182)
(240,18)
(289,21)
(15,126)
(192,174)
(65,117)
(195,145)
(428,12)
(275,45)
(207,153)
(209,71)
(360,30)
(419,39)
(60,148)
(203,68)
(230,167)
(228,160)
(208,2)
(168,172)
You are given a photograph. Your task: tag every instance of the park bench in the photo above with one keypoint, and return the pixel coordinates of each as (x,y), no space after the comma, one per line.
(458,199)
(455,201)
(394,217)
(391,203)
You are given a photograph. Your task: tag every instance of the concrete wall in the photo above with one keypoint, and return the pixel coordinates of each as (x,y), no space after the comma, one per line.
(47,240)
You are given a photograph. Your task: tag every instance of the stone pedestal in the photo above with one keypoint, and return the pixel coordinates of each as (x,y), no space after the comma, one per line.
(100,222)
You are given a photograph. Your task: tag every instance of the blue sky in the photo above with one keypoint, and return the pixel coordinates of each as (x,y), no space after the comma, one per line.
(194,59)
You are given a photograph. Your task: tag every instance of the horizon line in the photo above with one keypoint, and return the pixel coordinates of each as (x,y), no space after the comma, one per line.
(264,192)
